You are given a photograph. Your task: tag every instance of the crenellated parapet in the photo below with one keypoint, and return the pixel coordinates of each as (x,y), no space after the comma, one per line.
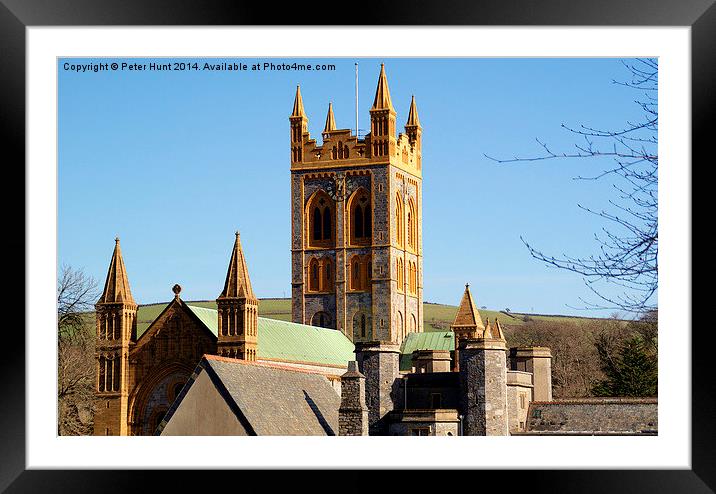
(341,147)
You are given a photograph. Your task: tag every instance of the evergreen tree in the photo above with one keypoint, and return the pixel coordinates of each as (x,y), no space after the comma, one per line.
(632,372)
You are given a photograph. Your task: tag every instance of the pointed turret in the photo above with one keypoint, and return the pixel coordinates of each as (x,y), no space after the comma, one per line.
(299,127)
(330,120)
(467,316)
(413,120)
(382,120)
(237,284)
(116,321)
(382,93)
(467,324)
(116,287)
(414,131)
(238,310)
(298,110)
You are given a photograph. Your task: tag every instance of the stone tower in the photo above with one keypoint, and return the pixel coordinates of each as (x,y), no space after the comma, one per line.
(356,210)
(468,323)
(238,310)
(116,317)
(483,383)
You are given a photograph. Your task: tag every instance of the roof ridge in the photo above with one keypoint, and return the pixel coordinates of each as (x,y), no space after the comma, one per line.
(270,365)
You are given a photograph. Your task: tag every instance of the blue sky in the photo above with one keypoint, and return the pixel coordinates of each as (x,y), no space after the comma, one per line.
(175,162)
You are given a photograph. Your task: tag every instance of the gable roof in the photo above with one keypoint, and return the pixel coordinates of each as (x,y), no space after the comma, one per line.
(285,341)
(143,336)
(433,340)
(272,400)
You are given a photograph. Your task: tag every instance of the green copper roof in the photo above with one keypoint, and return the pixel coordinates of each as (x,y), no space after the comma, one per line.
(288,341)
(209,317)
(282,340)
(433,340)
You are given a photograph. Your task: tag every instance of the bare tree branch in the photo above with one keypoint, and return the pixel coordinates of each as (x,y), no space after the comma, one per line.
(627,250)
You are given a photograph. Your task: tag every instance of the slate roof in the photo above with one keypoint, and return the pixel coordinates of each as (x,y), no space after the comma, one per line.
(594,416)
(275,400)
(433,340)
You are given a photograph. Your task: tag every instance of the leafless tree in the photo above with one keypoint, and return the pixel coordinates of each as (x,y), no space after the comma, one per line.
(76,293)
(628,247)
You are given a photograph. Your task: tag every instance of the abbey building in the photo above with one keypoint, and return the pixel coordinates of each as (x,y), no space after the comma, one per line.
(354,359)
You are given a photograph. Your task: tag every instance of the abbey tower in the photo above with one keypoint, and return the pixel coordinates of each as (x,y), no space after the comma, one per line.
(356,214)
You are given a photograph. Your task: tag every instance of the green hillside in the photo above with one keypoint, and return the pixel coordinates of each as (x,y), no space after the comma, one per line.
(437,317)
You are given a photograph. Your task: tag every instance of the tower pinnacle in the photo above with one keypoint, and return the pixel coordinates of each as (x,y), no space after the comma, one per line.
(116,286)
(298,110)
(330,120)
(413,120)
(237,284)
(382,93)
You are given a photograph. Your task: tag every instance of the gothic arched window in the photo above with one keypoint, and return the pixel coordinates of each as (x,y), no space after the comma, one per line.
(321,319)
(401,325)
(399,220)
(361,225)
(412,225)
(360,273)
(400,275)
(320,212)
(412,277)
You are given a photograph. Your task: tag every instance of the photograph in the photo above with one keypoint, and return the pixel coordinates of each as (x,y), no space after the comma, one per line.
(357,246)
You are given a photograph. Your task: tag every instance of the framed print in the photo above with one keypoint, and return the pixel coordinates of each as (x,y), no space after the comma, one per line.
(350,230)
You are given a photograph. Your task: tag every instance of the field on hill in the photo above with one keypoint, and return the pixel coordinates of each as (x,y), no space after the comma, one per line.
(437,317)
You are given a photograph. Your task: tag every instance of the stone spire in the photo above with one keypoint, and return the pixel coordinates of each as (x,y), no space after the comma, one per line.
(298,110)
(382,93)
(467,316)
(330,120)
(116,287)
(237,310)
(237,284)
(413,120)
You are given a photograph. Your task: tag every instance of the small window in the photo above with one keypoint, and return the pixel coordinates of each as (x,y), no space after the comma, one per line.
(423,431)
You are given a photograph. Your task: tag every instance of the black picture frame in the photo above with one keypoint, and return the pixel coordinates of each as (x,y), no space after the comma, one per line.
(16,15)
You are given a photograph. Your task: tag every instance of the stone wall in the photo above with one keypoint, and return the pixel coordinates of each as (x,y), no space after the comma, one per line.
(594,416)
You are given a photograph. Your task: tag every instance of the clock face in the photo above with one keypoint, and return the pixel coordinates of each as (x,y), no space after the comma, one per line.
(338,188)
